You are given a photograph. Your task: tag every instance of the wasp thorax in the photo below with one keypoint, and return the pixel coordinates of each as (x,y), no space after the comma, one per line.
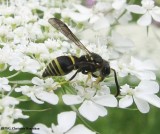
(97,59)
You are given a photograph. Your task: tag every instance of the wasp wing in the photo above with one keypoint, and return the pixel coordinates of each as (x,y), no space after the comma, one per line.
(59,25)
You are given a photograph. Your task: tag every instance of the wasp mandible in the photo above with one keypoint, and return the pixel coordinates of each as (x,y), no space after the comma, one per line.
(86,64)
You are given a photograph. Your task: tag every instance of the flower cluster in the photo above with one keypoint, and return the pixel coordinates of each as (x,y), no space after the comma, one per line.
(28,43)
(9,113)
(148,10)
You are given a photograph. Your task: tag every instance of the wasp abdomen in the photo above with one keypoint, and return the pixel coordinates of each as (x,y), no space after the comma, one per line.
(60,66)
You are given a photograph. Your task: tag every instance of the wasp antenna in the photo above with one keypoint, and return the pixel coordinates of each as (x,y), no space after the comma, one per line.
(117,84)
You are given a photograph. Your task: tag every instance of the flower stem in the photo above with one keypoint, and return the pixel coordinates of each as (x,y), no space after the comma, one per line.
(11,76)
(12,89)
(21,82)
(41,110)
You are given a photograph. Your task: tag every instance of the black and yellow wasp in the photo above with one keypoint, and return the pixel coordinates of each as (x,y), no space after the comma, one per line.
(91,63)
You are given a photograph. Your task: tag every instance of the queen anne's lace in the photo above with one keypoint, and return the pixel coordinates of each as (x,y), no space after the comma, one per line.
(28,43)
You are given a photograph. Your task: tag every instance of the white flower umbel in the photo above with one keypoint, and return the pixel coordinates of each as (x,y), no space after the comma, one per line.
(143,94)
(66,121)
(9,113)
(148,11)
(28,43)
(93,102)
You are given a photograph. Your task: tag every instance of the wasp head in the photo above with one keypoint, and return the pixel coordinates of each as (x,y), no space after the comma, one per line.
(105,71)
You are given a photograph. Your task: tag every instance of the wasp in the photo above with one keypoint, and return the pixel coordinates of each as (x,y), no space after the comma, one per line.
(90,64)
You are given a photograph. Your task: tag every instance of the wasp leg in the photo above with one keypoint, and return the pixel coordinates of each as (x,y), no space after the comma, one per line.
(94,75)
(99,79)
(79,70)
(89,76)
(83,67)
(117,84)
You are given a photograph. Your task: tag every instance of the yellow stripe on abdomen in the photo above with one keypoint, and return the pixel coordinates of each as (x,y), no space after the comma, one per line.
(73,61)
(59,67)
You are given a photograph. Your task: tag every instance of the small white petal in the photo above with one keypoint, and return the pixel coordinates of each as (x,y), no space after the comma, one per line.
(92,111)
(155,12)
(6,101)
(42,129)
(18,89)
(72,99)
(136,9)
(66,120)
(33,97)
(4,81)
(152,99)
(148,87)
(121,43)
(126,101)
(142,105)
(145,20)
(156,17)
(6,87)
(145,75)
(78,17)
(118,4)
(82,9)
(37,81)
(48,97)
(106,100)
(141,66)
(102,23)
(80,129)
(18,114)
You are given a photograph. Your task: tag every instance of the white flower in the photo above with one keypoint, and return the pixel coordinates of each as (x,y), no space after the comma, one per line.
(38,95)
(5,53)
(101,23)
(78,13)
(37,48)
(143,94)
(47,84)
(30,92)
(4,84)
(8,101)
(41,91)
(21,62)
(66,120)
(93,103)
(14,113)
(118,4)
(142,70)
(149,11)
(117,45)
